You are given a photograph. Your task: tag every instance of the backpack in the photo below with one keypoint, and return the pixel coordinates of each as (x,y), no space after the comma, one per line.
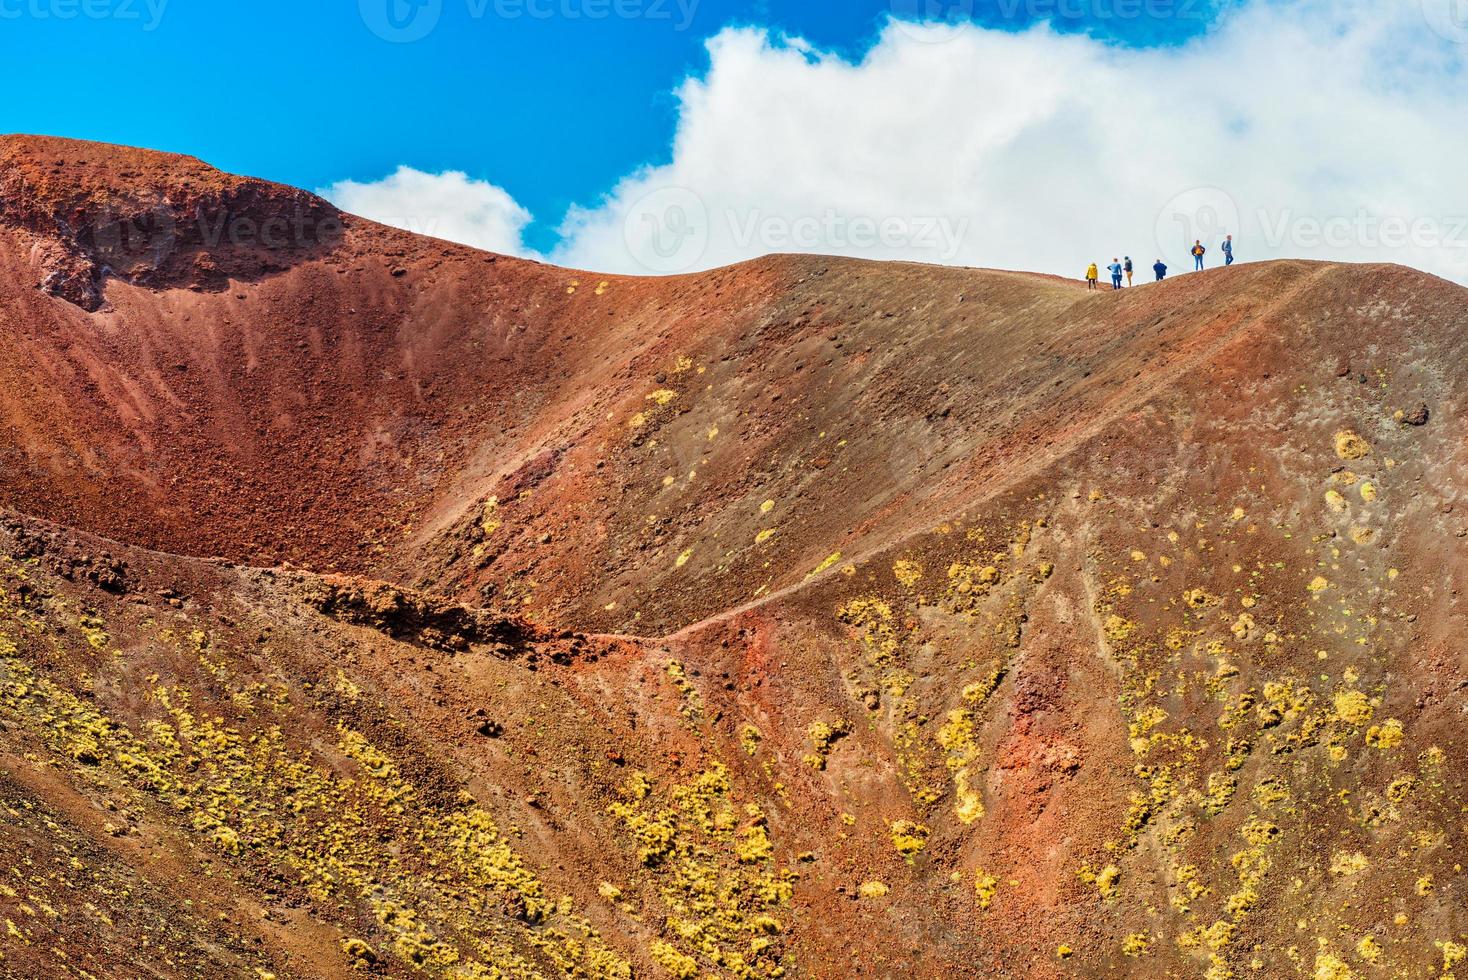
(1199,250)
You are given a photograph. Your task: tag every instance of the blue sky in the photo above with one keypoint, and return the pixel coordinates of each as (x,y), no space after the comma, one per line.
(553,100)
(658,136)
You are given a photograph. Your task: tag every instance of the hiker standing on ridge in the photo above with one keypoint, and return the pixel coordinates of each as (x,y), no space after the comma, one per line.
(1228,250)
(1115,268)
(1161,270)
(1127,267)
(1092,274)
(1198,252)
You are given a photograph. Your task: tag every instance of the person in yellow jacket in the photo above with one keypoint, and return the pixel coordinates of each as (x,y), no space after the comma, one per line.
(1092,274)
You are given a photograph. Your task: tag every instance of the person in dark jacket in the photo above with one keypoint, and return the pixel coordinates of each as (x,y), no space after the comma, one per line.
(1198,252)
(1126,265)
(1161,270)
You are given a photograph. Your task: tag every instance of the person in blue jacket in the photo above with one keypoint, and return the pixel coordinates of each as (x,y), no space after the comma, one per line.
(1228,250)
(1115,268)
(1161,270)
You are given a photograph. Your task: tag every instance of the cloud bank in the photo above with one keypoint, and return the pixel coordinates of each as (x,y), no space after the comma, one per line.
(448,205)
(1304,128)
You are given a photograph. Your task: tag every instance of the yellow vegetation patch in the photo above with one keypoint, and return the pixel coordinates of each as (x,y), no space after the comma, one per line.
(1318,584)
(873,889)
(1331,967)
(986,886)
(829,562)
(1368,492)
(908,837)
(1353,707)
(1388,735)
(1348,445)
(909,573)
(1347,865)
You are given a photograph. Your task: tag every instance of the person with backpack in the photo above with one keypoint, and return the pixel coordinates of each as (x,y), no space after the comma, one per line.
(1198,252)
(1115,268)
(1092,274)
(1161,270)
(1127,267)
(1228,250)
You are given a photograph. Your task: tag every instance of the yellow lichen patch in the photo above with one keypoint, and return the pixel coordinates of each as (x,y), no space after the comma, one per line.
(1368,492)
(1117,629)
(637,421)
(1105,881)
(1362,535)
(767,506)
(1348,446)
(712,866)
(1318,584)
(1369,949)
(825,565)
(1136,945)
(908,837)
(986,886)
(1388,735)
(1064,952)
(682,558)
(1331,967)
(1336,501)
(677,964)
(764,535)
(319,816)
(972,578)
(909,573)
(749,739)
(662,396)
(692,701)
(1353,707)
(823,735)
(1199,599)
(1345,864)
(873,889)
(1453,954)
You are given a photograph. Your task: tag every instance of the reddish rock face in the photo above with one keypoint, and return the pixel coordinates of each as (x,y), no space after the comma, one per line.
(805,617)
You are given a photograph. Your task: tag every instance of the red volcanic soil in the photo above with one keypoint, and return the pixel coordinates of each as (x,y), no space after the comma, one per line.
(370,604)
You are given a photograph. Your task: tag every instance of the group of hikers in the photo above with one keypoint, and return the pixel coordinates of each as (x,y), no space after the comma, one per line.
(1122,268)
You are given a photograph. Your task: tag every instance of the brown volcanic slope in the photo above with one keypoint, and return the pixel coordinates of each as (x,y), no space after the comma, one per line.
(1006,630)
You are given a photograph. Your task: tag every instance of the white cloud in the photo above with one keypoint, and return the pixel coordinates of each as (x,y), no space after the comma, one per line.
(1305,127)
(449,205)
